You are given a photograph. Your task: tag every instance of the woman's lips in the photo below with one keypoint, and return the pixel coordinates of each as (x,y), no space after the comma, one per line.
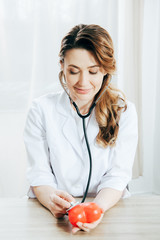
(82,91)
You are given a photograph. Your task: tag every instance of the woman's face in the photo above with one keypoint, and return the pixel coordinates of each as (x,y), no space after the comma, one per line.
(83,75)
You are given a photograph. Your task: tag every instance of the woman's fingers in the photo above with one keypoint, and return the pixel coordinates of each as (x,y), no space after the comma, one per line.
(90,225)
(66,196)
(75,230)
(60,202)
(86,226)
(59,198)
(57,210)
(93,224)
(82,227)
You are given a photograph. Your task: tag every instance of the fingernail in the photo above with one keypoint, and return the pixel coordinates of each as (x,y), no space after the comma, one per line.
(79,224)
(72,203)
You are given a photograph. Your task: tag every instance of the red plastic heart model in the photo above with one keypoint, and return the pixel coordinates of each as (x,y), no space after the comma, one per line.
(85,213)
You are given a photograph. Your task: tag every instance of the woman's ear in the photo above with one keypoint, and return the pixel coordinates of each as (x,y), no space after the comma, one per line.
(62,65)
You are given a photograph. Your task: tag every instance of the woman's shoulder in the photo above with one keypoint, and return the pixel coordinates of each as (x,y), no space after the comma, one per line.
(131,108)
(47,98)
(129,115)
(45,103)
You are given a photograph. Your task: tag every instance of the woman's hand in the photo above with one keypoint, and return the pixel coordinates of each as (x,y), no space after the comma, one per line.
(60,202)
(86,226)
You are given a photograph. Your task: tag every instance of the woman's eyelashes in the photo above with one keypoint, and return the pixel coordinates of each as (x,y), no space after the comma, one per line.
(93,72)
(71,72)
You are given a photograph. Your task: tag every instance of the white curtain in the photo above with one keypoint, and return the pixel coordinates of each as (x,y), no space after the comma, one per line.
(30,35)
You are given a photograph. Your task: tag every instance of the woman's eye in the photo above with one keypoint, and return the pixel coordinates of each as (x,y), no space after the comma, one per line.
(93,72)
(71,72)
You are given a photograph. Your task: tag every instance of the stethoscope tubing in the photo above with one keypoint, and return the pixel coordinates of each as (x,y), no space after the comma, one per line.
(87,143)
(85,134)
(90,160)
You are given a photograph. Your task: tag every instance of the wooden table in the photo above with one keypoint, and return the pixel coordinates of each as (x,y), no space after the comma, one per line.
(134,218)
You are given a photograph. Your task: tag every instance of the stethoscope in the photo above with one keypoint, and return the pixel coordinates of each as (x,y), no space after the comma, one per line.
(83,117)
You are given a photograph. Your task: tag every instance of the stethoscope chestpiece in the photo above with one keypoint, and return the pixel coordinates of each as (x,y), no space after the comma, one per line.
(73,204)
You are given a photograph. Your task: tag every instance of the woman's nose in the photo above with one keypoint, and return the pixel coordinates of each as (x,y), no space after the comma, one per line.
(83,79)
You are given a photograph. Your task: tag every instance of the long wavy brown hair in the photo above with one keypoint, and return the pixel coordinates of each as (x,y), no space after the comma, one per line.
(109,107)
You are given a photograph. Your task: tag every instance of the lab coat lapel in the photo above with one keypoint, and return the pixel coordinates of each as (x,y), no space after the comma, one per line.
(71,134)
(69,128)
(92,129)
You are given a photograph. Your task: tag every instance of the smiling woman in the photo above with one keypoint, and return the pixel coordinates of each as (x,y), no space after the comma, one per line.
(55,141)
(83,78)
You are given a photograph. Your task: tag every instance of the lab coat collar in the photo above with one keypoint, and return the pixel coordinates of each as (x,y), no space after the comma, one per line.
(70,128)
(63,104)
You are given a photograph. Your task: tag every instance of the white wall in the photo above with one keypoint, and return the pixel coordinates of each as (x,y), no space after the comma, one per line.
(150,93)
(12,157)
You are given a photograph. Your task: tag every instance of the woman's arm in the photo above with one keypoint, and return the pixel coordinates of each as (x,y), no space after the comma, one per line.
(105,199)
(57,201)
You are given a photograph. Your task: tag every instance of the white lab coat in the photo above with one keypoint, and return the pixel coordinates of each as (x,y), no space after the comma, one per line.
(57,156)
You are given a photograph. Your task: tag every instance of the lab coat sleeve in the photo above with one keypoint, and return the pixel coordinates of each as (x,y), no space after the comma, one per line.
(122,155)
(39,171)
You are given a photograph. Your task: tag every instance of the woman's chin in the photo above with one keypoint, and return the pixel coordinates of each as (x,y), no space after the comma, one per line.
(84,98)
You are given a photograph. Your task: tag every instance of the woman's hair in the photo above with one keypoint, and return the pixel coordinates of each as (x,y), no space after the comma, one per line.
(109,107)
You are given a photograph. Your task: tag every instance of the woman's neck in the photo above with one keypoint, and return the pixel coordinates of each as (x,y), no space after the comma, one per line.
(83,106)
